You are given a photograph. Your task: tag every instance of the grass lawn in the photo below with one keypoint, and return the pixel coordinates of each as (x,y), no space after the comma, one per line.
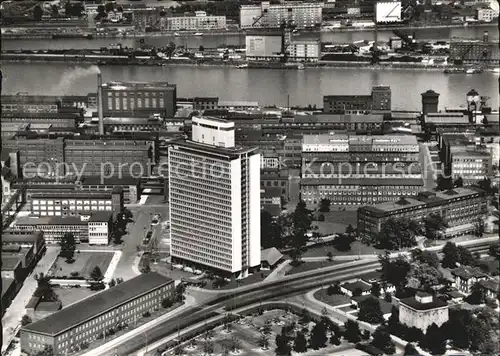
(356,248)
(333,300)
(69,296)
(84,263)
(308,266)
(336,221)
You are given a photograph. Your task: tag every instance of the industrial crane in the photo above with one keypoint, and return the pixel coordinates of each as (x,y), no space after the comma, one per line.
(287,27)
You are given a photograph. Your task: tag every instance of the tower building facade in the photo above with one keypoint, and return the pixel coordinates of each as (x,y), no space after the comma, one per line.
(214,191)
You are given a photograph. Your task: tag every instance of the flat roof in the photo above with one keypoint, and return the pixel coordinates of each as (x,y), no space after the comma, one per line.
(238,103)
(97,180)
(73,194)
(9,262)
(363,181)
(50,220)
(270,255)
(209,149)
(97,304)
(31,237)
(100,216)
(325,139)
(414,304)
(6,284)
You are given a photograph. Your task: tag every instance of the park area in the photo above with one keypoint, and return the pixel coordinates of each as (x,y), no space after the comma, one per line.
(70,295)
(253,335)
(83,265)
(336,221)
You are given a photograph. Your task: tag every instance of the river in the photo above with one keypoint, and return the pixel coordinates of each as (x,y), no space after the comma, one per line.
(209,41)
(268,87)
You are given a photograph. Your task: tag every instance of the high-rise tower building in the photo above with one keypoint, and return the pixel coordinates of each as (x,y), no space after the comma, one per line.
(214,192)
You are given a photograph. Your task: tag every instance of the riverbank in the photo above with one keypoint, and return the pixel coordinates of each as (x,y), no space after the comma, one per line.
(148,61)
(136,34)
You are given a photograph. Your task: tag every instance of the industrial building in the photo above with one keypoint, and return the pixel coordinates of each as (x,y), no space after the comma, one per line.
(83,322)
(136,99)
(201,21)
(474,51)
(379,101)
(263,46)
(460,207)
(266,15)
(214,194)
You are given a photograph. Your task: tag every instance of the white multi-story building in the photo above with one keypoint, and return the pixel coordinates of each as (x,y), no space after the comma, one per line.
(305,50)
(486,14)
(99,225)
(214,190)
(198,22)
(422,310)
(266,15)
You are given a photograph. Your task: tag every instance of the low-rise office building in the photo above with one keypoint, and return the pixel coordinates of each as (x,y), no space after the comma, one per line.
(100,227)
(471,166)
(82,322)
(422,310)
(76,203)
(460,207)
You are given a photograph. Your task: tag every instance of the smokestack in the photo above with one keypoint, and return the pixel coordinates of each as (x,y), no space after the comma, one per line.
(100,104)
(485,37)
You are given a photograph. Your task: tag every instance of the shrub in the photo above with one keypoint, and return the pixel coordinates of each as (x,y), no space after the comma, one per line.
(74,274)
(146,314)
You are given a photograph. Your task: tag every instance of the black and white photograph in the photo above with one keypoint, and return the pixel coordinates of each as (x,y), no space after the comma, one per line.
(250,177)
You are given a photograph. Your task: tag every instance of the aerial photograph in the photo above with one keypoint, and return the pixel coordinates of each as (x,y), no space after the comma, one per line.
(250,177)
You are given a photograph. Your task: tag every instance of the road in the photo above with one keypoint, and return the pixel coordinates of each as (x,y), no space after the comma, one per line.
(12,318)
(142,216)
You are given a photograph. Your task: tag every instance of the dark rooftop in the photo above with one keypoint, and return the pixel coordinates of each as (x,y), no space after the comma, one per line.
(100,216)
(9,262)
(412,303)
(384,306)
(97,304)
(364,286)
(222,151)
(363,181)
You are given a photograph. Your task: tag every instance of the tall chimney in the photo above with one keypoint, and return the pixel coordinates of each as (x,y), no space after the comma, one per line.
(100,104)
(486,37)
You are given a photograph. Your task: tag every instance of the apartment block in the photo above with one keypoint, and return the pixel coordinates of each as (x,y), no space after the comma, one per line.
(137,99)
(266,15)
(82,322)
(214,193)
(460,207)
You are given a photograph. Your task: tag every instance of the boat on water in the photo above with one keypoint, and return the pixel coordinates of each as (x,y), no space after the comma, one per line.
(198,34)
(301,67)
(474,71)
(495,70)
(454,70)
(242,66)
(176,34)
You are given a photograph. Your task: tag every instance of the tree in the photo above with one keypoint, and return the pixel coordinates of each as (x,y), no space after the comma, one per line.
(352,332)
(394,272)
(68,246)
(44,289)
(305,317)
(324,205)
(434,340)
(25,320)
(382,341)
(301,224)
(208,347)
(329,255)
(282,346)
(167,303)
(494,250)
(263,341)
(410,350)
(458,183)
(112,283)
(270,231)
(423,276)
(170,49)
(477,295)
(37,13)
(457,328)
(334,339)
(47,351)
(334,289)
(398,233)
(443,183)
(54,11)
(479,227)
(318,338)
(349,230)
(434,225)
(343,242)
(300,343)
(369,311)
(375,289)
(109,7)
(466,257)
(485,185)
(119,280)
(451,255)
(96,274)
(428,257)
(234,344)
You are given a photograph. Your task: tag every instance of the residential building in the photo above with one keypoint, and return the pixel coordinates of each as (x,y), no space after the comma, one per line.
(379,101)
(465,277)
(460,207)
(137,99)
(276,178)
(205,103)
(201,21)
(359,287)
(359,170)
(76,203)
(82,322)
(422,310)
(214,194)
(100,227)
(266,15)
(490,288)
